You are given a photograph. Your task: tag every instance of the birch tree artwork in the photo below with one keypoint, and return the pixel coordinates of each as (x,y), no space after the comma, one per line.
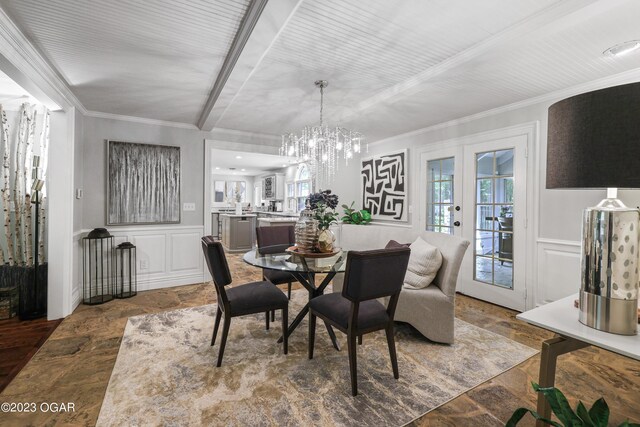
(143,183)
(17,149)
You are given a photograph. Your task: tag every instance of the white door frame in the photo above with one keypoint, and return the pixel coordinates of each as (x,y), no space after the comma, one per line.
(534,181)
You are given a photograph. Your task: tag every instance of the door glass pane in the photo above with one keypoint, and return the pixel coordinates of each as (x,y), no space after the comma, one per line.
(494,235)
(440,175)
(484,190)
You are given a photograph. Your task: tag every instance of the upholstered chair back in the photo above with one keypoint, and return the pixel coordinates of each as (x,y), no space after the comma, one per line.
(375,274)
(275,239)
(218,267)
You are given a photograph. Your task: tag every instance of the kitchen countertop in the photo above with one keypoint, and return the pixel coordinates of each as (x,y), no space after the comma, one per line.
(232,215)
(282,219)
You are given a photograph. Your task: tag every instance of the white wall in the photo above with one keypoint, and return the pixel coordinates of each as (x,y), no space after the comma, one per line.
(555,248)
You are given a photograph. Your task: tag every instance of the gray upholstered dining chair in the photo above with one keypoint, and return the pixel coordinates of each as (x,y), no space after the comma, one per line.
(355,311)
(275,240)
(250,298)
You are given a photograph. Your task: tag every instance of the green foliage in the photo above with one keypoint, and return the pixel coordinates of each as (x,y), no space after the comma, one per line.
(325,216)
(353,216)
(597,416)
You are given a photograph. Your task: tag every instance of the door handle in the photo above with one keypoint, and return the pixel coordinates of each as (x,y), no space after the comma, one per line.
(457,223)
(457,208)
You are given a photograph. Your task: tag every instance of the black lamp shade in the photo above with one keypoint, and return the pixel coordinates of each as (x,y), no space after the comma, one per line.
(594,140)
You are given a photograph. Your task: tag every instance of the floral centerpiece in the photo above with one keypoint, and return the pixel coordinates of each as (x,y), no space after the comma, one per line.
(323,205)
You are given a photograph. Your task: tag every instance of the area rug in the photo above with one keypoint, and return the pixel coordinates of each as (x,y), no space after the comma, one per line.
(165,373)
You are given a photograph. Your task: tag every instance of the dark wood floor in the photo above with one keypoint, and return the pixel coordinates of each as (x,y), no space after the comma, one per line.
(19,341)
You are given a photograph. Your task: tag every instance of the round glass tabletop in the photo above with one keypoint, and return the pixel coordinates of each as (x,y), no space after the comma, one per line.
(277,258)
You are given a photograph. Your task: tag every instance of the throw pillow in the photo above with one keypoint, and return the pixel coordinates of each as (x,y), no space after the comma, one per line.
(424,262)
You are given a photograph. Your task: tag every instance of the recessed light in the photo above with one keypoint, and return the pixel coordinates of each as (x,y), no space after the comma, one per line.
(623,48)
(238,157)
(242,170)
(284,166)
(217,168)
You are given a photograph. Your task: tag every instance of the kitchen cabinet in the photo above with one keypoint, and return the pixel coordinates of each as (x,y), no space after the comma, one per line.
(238,232)
(273,187)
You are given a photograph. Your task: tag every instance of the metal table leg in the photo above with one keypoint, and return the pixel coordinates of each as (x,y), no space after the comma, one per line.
(308,281)
(551,349)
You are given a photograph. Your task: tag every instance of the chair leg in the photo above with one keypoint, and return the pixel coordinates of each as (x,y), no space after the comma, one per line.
(392,350)
(312,333)
(285,326)
(359,339)
(289,291)
(215,327)
(266,316)
(353,363)
(273,315)
(225,333)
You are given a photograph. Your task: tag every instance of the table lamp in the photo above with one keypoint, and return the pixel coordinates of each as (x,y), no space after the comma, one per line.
(594,142)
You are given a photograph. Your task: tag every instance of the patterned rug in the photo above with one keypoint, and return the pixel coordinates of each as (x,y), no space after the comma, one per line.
(165,373)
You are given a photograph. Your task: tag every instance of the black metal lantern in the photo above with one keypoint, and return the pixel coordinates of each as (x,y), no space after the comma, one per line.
(97,267)
(126,273)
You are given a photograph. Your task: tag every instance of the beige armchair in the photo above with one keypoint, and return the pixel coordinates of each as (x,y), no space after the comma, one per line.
(431,310)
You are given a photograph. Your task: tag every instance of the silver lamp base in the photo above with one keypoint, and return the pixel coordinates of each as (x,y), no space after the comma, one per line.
(617,316)
(610,270)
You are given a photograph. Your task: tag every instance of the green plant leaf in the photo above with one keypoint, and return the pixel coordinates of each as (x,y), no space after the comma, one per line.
(521,412)
(559,405)
(628,424)
(582,412)
(599,412)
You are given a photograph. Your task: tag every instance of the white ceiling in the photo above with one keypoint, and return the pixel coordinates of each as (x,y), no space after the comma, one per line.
(226,162)
(154,59)
(392,67)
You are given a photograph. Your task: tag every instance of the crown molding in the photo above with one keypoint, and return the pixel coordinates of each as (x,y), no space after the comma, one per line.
(630,76)
(29,68)
(141,120)
(262,136)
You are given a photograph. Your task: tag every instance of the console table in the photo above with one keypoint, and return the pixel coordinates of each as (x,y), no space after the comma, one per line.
(561,317)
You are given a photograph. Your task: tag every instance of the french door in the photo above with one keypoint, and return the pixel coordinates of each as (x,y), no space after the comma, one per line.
(478,192)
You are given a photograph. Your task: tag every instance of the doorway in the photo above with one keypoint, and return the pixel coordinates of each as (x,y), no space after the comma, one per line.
(478,192)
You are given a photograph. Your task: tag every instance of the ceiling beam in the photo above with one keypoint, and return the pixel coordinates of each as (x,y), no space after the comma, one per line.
(240,40)
(250,46)
(24,64)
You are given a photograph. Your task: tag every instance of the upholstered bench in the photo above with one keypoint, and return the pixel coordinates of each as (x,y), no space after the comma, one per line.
(430,310)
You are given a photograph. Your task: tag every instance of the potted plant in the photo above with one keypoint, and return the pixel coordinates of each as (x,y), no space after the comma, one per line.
(323,204)
(353,216)
(597,416)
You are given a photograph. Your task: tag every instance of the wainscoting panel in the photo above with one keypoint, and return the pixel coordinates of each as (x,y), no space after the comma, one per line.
(558,270)
(167,255)
(185,255)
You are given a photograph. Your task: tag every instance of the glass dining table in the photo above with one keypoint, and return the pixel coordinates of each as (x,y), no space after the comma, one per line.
(304,269)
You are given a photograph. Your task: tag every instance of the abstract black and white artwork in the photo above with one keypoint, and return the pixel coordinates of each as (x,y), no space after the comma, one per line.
(143,183)
(384,186)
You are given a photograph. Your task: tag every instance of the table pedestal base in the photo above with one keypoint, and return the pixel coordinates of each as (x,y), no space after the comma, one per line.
(308,281)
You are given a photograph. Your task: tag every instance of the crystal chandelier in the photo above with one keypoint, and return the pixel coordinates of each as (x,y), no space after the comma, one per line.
(322,146)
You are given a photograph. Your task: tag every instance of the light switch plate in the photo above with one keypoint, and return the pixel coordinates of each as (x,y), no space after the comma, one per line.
(187,207)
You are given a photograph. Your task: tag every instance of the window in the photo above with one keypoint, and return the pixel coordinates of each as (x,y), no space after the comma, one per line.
(299,189)
(493,251)
(440,195)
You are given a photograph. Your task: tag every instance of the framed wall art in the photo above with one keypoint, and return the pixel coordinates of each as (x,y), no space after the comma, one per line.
(384,186)
(143,183)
